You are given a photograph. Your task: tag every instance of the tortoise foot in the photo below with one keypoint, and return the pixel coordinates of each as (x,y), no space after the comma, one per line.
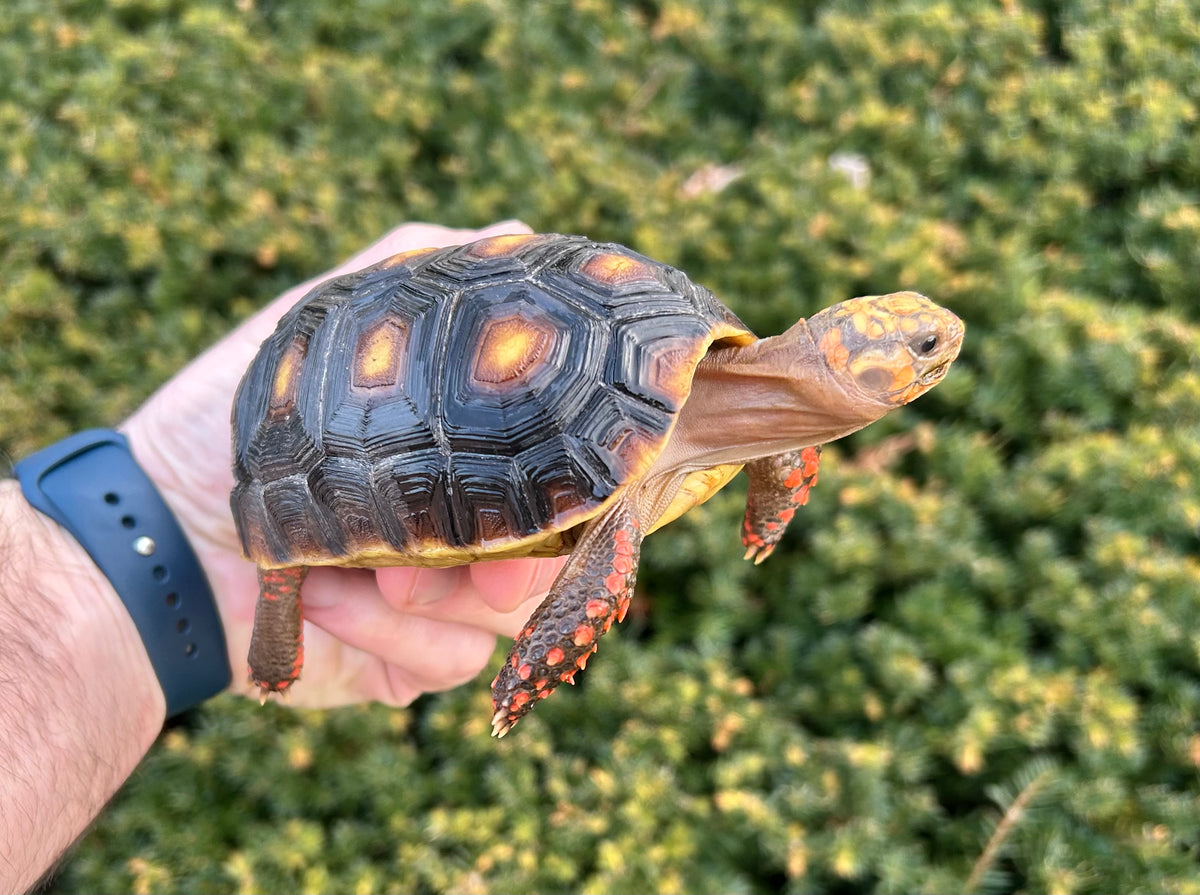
(778,485)
(277,642)
(591,593)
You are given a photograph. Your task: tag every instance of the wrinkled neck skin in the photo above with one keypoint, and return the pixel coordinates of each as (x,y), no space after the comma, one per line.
(771,396)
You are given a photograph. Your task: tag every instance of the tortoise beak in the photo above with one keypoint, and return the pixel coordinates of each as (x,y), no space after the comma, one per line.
(935,375)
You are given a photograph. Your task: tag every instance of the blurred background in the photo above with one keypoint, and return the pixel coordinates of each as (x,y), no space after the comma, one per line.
(973,663)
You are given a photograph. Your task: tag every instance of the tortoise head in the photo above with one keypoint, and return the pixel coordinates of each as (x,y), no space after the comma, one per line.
(889,349)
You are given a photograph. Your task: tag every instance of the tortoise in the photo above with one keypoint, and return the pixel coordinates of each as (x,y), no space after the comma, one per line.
(535,395)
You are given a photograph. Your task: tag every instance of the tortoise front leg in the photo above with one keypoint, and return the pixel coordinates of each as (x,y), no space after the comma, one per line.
(277,643)
(778,485)
(591,592)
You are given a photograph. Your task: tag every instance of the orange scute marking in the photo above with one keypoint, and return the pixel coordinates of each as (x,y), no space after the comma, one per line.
(378,354)
(400,257)
(615,269)
(615,583)
(498,246)
(622,563)
(554,655)
(509,348)
(622,608)
(584,635)
(283,386)
(786,516)
(795,479)
(670,366)
(519,699)
(524,671)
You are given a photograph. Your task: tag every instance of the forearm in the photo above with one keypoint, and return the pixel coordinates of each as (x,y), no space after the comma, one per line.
(79,700)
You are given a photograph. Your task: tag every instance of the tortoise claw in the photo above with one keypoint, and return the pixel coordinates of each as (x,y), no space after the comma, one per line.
(282,690)
(501,724)
(758,554)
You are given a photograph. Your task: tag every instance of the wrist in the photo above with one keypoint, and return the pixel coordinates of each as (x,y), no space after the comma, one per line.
(79,701)
(63,592)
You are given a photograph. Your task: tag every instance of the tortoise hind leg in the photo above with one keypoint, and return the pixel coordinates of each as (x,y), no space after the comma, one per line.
(591,592)
(778,484)
(277,644)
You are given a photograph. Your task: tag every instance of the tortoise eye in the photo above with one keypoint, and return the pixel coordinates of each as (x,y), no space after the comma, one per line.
(929,344)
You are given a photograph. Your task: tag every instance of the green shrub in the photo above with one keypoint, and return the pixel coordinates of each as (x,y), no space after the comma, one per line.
(974,663)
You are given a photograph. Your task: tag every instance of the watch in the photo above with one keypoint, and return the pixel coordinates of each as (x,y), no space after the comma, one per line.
(92,486)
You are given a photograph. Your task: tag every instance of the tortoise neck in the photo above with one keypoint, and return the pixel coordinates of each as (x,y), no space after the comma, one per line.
(759,400)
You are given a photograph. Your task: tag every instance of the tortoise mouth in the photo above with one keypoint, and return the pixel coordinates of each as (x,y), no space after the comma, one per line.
(935,374)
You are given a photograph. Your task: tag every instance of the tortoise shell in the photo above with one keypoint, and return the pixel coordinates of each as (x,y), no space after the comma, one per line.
(478,401)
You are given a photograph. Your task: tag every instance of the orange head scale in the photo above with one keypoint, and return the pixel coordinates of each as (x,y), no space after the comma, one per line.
(889,348)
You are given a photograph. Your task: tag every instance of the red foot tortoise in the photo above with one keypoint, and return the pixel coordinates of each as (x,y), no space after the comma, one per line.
(535,396)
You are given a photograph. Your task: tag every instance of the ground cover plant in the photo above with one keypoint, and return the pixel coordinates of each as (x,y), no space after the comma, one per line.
(972,666)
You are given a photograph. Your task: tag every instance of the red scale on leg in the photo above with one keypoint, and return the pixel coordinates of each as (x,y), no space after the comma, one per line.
(597,608)
(592,592)
(778,485)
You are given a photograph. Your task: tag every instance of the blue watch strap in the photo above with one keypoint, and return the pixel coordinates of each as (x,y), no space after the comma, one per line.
(91,485)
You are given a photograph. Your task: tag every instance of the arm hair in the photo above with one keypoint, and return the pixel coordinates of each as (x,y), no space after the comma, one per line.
(79,702)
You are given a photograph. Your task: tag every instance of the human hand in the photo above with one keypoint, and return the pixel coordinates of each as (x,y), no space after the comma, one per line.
(387,634)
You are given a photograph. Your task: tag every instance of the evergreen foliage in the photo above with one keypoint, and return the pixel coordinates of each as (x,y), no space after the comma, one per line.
(974,663)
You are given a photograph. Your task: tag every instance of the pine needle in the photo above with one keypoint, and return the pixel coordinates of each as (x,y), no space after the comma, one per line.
(1012,816)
